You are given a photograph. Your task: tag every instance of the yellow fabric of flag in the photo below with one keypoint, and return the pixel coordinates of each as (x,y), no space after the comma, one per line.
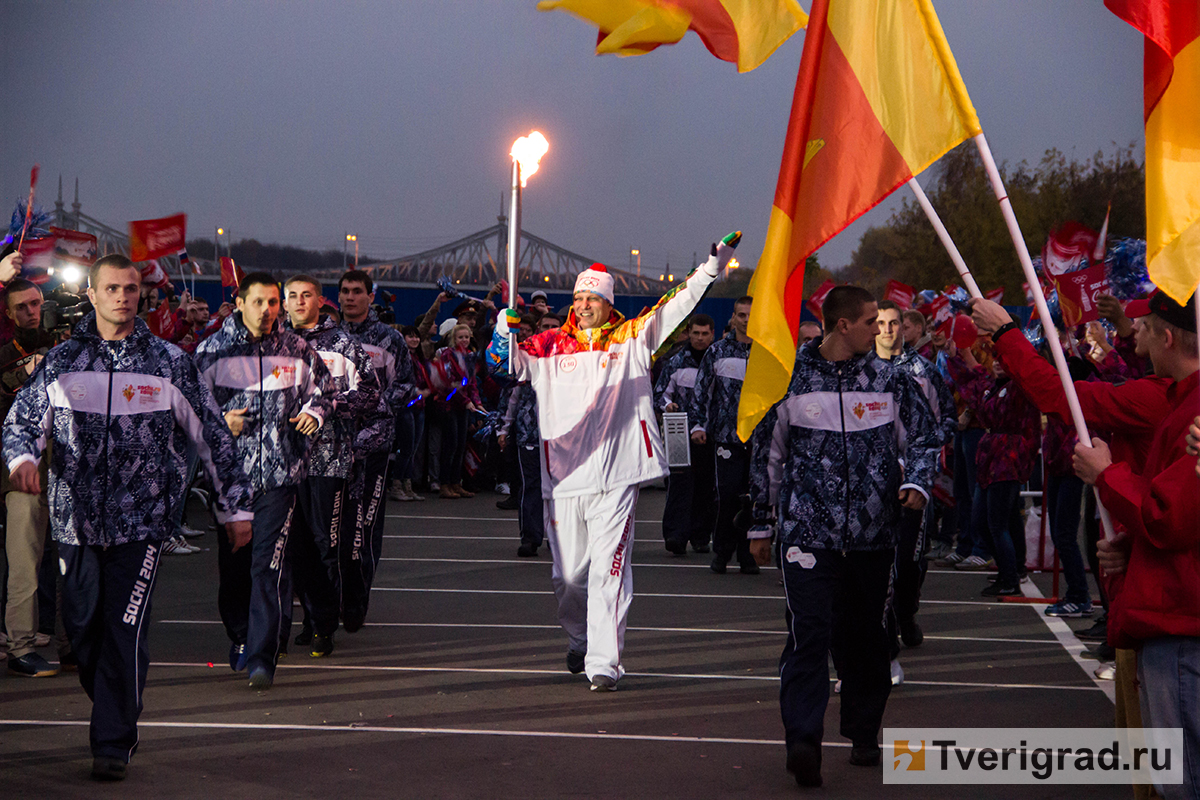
(745,32)
(878,99)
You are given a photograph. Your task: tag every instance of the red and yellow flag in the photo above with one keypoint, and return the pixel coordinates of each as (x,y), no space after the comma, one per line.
(878,99)
(1171,74)
(744,32)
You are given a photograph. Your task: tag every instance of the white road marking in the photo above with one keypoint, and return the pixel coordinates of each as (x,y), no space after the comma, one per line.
(1066,637)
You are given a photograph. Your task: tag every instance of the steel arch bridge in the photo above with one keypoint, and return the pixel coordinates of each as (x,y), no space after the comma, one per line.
(475,261)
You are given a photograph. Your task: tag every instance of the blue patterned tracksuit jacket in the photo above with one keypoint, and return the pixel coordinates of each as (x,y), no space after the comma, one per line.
(848,436)
(121,415)
(519,415)
(718,391)
(356,395)
(934,388)
(394,371)
(276,377)
(677,381)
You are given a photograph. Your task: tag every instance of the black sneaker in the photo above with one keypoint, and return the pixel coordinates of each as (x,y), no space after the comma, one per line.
(261,678)
(701,548)
(105,768)
(575,661)
(719,563)
(866,755)
(911,633)
(527,551)
(304,637)
(508,504)
(352,620)
(68,662)
(676,548)
(1097,633)
(31,665)
(321,645)
(750,568)
(1001,590)
(804,761)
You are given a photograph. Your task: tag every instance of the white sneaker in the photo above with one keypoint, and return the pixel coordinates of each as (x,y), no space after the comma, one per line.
(502,488)
(897,672)
(177,547)
(412,493)
(190,533)
(1106,672)
(434,486)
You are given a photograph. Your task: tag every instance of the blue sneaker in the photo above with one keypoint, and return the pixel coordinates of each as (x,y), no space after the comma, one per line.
(1066,609)
(237,657)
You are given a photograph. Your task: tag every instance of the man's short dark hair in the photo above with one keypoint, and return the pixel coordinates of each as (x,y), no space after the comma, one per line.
(528,320)
(890,305)
(113,261)
(18,285)
(550,315)
(744,300)
(357,276)
(302,278)
(845,302)
(914,316)
(703,320)
(256,279)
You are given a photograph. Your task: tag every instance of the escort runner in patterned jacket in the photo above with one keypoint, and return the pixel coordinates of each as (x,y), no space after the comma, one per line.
(273,455)
(933,387)
(519,420)
(691,506)
(121,413)
(111,483)
(277,377)
(373,447)
(714,412)
(848,437)
(599,443)
(356,395)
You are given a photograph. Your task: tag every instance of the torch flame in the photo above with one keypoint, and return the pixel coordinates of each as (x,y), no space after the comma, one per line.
(527,151)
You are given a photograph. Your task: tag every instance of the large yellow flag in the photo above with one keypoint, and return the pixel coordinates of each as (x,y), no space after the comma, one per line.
(745,32)
(878,99)
(1171,74)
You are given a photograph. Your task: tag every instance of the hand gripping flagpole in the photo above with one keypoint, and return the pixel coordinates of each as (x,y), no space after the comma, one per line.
(948,243)
(1039,299)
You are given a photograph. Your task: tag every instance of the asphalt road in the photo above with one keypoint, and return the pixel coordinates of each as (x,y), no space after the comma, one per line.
(457,686)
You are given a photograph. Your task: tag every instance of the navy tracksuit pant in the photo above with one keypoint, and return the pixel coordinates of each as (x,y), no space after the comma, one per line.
(733,481)
(835,602)
(531,508)
(909,574)
(106,612)
(690,507)
(256,581)
(316,571)
(362,535)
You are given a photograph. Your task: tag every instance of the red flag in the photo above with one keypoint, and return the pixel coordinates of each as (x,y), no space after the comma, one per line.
(900,293)
(161,321)
(154,238)
(33,176)
(1077,293)
(814,302)
(231,273)
(995,295)
(153,274)
(76,246)
(1067,247)
(38,259)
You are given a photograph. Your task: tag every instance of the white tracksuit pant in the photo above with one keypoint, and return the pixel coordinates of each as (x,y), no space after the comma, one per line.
(591,539)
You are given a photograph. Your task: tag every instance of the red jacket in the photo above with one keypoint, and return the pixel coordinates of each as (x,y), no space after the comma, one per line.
(1160,507)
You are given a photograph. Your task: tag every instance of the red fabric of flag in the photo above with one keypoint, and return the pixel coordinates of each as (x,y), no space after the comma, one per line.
(900,293)
(231,273)
(154,238)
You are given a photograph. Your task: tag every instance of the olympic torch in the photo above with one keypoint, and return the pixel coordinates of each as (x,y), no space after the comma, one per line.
(526,152)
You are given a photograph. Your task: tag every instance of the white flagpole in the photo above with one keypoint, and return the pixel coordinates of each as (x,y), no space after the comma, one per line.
(1039,300)
(948,243)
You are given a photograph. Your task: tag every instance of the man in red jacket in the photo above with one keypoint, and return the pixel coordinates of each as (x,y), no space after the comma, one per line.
(1154,563)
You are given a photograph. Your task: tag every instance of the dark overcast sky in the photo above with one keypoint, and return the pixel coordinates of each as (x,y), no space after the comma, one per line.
(294,122)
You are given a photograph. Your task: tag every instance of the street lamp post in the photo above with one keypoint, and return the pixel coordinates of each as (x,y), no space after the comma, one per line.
(637,252)
(350,237)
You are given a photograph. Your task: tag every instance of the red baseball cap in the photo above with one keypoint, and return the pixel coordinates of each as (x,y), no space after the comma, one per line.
(1137,308)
